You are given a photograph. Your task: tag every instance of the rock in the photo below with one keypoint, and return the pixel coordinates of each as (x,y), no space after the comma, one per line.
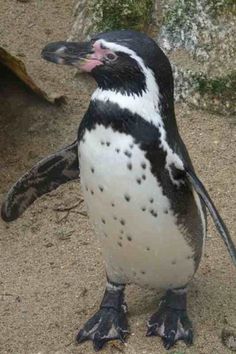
(199,36)
(228,337)
(91,16)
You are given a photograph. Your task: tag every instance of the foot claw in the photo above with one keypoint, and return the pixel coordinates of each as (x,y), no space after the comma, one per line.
(81,336)
(152,331)
(98,342)
(169,339)
(188,339)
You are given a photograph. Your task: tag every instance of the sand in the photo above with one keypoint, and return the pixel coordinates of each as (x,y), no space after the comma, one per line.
(52,274)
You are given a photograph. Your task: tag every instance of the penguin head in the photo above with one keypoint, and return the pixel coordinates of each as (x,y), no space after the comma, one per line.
(119,60)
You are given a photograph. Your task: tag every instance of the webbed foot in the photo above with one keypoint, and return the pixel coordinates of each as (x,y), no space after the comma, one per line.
(171,321)
(110,322)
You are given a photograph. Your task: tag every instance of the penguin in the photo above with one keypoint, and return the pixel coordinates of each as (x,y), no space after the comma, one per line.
(144,199)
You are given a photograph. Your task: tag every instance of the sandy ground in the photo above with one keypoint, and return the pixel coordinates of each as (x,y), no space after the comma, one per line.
(51,270)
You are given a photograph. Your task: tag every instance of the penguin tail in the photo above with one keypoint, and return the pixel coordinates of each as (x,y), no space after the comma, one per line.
(219,223)
(45,176)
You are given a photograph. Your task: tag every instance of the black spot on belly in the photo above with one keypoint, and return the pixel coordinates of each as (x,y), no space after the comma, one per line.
(129,238)
(143,177)
(115,217)
(166,211)
(101,188)
(129,166)
(102,142)
(127,197)
(119,244)
(127,153)
(108,143)
(173,262)
(143,164)
(117,150)
(122,221)
(103,221)
(138,180)
(131,146)
(153,212)
(143,272)
(112,204)
(143,208)
(92,192)
(92,169)
(86,187)
(121,237)
(148,248)
(151,200)
(105,234)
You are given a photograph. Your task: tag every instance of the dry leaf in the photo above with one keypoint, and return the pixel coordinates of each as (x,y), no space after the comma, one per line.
(18,68)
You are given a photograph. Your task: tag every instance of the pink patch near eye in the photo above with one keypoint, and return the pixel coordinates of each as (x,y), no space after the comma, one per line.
(90,64)
(98,51)
(95,58)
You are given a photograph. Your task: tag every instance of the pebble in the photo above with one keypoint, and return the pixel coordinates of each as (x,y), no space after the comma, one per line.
(228,336)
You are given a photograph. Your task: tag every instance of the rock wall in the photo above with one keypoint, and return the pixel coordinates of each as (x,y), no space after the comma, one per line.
(93,16)
(199,37)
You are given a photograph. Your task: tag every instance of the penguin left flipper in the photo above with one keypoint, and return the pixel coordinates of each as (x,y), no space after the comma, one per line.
(45,176)
(219,223)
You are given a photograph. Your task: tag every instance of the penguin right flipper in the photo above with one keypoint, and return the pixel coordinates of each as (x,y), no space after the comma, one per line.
(219,223)
(46,175)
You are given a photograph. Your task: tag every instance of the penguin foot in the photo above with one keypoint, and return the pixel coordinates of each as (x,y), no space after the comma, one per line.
(107,324)
(110,321)
(171,321)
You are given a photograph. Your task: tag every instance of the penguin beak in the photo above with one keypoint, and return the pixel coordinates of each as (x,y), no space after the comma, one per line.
(80,55)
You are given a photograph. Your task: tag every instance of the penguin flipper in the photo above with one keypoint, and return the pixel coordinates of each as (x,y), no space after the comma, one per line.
(219,223)
(46,175)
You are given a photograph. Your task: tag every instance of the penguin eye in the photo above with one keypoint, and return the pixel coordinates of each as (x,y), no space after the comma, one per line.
(111,57)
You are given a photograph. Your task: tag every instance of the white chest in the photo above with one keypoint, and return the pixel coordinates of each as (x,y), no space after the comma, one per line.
(133,219)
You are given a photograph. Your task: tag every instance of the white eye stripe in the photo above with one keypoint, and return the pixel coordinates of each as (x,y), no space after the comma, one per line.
(120,48)
(102,46)
(147,106)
